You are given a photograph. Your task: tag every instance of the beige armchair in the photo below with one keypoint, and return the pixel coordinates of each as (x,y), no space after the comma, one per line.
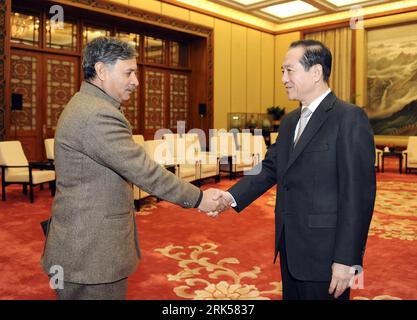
(159,152)
(410,155)
(187,165)
(231,159)
(253,145)
(49,149)
(139,139)
(273,136)
(378,159)
(15,169)
(138,194)
(208,162)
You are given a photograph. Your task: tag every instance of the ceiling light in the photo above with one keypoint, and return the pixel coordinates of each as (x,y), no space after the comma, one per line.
(247,2)
(342,3)
(290,9)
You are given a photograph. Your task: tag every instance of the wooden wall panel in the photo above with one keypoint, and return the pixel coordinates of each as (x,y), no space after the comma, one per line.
(282,42)
(125,2)
(253,77)
(175,12)
(238,64)
(149,5)
(202,19)
(222,72)
(267,71)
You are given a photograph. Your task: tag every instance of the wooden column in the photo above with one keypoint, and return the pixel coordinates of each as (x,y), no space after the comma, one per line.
(5,10)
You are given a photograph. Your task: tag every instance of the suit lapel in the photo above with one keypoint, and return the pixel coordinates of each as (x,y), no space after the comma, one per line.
(291,132)
(317,119)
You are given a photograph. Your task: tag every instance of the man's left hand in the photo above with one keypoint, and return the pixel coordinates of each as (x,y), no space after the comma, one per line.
(342,276)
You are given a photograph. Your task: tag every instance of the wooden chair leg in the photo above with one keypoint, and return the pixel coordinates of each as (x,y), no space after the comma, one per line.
(3,191)
(25,189)
(52,187)
(31,193)
(137,205)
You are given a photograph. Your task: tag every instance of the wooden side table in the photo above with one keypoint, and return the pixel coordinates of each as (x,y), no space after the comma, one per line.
(393,154)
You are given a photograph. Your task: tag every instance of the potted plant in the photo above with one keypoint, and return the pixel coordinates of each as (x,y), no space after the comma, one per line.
(275,114)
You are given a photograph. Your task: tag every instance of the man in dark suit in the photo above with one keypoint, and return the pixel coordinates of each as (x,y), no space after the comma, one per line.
(323,166)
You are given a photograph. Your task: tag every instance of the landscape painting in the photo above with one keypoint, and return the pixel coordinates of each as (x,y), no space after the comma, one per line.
(392,80)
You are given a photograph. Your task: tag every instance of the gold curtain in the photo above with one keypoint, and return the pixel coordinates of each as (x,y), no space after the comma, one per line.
(339,41)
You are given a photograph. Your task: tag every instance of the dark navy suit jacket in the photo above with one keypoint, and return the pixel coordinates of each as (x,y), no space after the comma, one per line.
(325,188)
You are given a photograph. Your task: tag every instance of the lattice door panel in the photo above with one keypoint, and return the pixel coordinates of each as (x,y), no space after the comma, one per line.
(25,76)
(61,85)
(131,110)
(25,81)
(178,99)
(46,83)
(155,101)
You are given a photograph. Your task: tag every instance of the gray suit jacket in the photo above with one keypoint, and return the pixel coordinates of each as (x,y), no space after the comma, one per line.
(93,234)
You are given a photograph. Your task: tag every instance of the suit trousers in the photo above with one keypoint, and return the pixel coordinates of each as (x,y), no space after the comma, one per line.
(103,291)
(293,289)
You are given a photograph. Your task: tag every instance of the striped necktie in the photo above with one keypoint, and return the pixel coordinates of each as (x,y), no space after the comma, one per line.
(305,113)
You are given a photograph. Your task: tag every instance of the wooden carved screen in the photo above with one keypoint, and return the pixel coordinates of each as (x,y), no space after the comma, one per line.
(131,111)
(166,100)
(25,80)
(178,109)
(155,102)
(46,83)
(61,85)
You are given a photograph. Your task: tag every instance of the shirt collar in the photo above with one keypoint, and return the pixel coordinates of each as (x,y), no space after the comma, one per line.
(315,104)
(92,89)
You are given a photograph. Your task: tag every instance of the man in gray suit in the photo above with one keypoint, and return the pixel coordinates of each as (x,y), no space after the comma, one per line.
(92,236)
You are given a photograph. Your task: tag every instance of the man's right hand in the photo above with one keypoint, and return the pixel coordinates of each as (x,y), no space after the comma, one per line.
(214,201)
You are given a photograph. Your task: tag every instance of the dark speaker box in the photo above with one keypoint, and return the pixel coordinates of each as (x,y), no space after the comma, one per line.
(17,101)
(202,108)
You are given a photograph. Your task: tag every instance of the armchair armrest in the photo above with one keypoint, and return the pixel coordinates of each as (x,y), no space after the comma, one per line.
(41,165)
(206,157)
(208,154)
(6,166)
(185,160)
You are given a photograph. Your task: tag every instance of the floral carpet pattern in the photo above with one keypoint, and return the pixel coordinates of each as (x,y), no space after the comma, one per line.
(395,211)
(196,262)
(187,255)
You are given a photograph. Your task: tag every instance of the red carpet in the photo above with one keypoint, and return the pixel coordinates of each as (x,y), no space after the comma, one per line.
(187,255)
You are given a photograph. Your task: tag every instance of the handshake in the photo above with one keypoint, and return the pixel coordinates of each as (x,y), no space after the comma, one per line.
(215,201)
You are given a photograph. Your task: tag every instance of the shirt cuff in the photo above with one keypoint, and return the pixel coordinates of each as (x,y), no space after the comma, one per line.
(200,197)
(234,204)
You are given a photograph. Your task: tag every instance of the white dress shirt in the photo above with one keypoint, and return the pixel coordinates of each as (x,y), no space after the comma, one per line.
(313,106)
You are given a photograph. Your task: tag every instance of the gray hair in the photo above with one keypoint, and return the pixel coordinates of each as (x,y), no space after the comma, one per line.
(106,50)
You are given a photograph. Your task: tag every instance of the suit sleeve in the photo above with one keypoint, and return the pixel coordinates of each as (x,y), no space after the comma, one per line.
(252,187)
(356,187)
(108,141)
